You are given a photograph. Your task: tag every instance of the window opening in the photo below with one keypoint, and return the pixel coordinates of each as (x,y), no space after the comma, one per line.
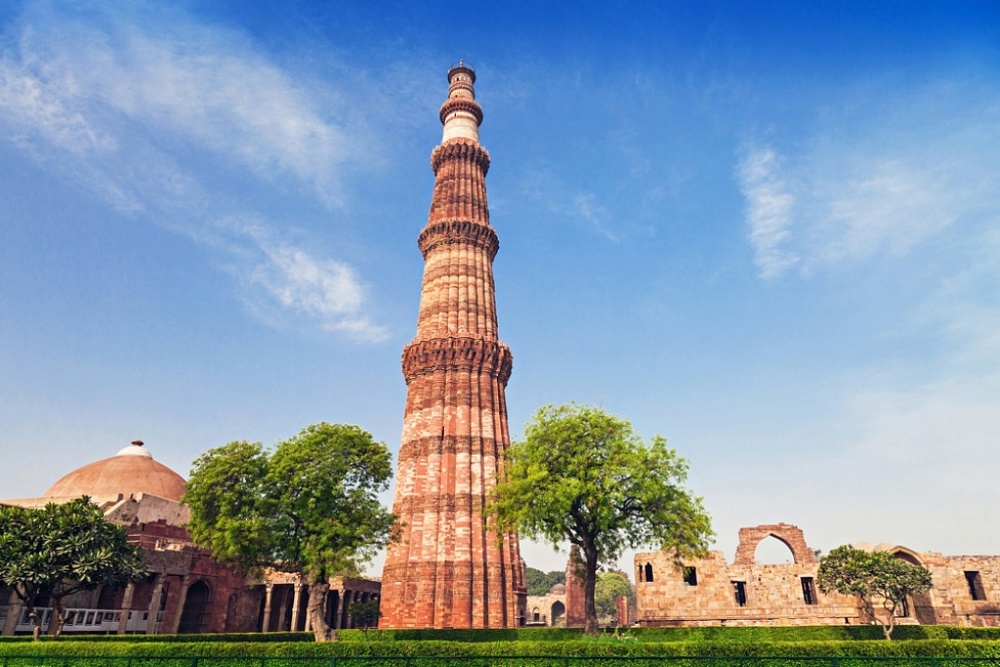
(649,572)
(808,590)
(740,592)
(690,576)
(975,585)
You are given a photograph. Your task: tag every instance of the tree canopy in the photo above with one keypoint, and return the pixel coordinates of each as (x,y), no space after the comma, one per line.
(610,586)
(582,475)
(60,549)
(310,507)
(365,615)
(874,577)
(540,583)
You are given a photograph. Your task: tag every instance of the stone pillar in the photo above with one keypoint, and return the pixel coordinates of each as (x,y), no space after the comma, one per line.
(126,608)
(345,606)
(307,626)
(177,610)
(448,570)
(296,597)
(576,611)
(621,610)
(154,603)
(338,614)
(14,609)
(266,625)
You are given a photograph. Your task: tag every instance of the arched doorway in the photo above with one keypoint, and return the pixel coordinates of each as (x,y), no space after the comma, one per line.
(195,609)
(772,550)
(918,606)
(558,613)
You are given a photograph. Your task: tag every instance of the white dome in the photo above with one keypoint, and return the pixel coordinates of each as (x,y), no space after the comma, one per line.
(128,473)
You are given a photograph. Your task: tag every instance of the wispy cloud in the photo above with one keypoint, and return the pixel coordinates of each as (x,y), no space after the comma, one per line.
(589,209)
(938,418)
(70,82)
(36,108)
(145,117)
(568,203)
(890,205)
(901,187)
(965,307)
(894,173)
(325,290)
(769,208)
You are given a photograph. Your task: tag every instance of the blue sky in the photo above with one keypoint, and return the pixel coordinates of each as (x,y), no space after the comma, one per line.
(767,231)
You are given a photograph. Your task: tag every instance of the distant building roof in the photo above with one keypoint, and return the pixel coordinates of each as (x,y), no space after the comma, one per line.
(128,473)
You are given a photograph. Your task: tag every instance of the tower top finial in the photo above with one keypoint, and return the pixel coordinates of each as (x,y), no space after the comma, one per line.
(461,114)
(463,66)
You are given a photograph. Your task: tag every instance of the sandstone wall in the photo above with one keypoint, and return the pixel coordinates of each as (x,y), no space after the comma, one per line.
(712,592)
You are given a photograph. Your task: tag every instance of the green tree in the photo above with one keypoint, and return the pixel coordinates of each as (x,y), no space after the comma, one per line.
(309,508)
(609,587)
(540,583)
(582,475)
(365,615)
(874,577)
(60,549)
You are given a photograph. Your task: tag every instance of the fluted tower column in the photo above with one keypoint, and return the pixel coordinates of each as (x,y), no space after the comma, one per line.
(449,570)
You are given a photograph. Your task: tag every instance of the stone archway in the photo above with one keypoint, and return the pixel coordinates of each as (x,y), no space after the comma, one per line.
(195,611)
(558,613)
(918,606)
(790,535)
(773,551)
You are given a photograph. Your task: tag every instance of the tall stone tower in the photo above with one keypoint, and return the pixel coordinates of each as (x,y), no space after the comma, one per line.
(448,570)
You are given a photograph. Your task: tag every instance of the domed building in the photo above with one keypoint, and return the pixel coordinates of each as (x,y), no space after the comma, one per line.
(129,473)
(186,591)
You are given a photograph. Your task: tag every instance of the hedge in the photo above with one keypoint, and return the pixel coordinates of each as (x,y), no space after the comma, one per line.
(240,637)
(508,661)
(643,635)
(304,654)
(750,633)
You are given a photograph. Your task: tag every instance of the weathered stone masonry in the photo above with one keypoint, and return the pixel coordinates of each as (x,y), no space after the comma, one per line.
(710,592)
(449,570)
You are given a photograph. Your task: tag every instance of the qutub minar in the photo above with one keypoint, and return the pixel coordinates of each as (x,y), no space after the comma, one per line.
(449,570)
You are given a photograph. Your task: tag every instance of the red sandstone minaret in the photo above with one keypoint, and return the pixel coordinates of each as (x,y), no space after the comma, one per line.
(448,570)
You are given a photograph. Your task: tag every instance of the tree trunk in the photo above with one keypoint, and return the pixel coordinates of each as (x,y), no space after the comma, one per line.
(36,629)
(57,619)
(890,619)
(316,612)
(589,584)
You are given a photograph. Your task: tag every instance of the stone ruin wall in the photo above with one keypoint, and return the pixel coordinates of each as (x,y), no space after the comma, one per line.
(774,593)
(951,601)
